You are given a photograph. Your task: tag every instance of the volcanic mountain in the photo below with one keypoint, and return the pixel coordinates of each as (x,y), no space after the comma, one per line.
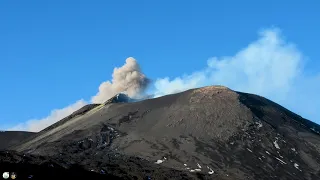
(205,133)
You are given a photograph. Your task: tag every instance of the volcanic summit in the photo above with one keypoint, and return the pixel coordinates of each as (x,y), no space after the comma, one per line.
(205,133)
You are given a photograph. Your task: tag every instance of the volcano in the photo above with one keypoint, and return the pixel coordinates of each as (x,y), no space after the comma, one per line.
(205,133)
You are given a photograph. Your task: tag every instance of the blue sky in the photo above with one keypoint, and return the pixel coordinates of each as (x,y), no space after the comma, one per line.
(53,54)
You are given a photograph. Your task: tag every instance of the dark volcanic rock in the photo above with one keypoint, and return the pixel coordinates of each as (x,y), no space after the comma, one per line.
(205,133)
(11,138)
(120,98)
(37,167)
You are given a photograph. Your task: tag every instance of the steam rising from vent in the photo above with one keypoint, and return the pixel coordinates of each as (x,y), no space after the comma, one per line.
(127,79)
(269,66)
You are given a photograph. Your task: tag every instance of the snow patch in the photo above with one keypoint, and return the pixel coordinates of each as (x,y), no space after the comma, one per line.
(267,152)
(159,161)
(211,171)
(282,162)
(276,144)
(279,154)
(259,124)
(110,128)
(185,164)
(196,170)
(198,165)
(314,130)
(249,150)
(296,166)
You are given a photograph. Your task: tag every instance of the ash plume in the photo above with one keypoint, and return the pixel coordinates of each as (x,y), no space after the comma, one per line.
(127,79)
(270,66)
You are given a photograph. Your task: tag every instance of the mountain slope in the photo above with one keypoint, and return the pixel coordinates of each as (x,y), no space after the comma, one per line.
(204,133)
(11,138)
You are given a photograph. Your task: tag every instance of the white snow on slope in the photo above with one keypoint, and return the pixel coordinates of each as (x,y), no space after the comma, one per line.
(276,144)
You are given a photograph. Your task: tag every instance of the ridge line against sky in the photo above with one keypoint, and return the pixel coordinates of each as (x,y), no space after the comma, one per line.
(270,66)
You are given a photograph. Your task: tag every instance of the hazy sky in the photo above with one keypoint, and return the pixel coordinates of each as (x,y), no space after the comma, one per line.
(55,55)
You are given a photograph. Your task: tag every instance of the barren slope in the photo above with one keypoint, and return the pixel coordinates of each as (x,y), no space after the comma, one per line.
(205,130)
(11,138)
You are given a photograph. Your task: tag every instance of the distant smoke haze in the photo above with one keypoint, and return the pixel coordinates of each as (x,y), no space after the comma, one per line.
(269,66)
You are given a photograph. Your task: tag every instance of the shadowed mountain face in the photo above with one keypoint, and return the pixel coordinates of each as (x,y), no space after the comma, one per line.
(205,133)
(11,138)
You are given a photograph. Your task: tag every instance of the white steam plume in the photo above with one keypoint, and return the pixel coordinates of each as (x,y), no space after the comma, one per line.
(270,67)
(128,79)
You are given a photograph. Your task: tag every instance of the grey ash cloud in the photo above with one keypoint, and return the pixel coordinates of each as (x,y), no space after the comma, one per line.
(127,79)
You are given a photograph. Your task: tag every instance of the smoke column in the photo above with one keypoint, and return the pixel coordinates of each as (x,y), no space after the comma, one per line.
(128,79)
(269,66)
